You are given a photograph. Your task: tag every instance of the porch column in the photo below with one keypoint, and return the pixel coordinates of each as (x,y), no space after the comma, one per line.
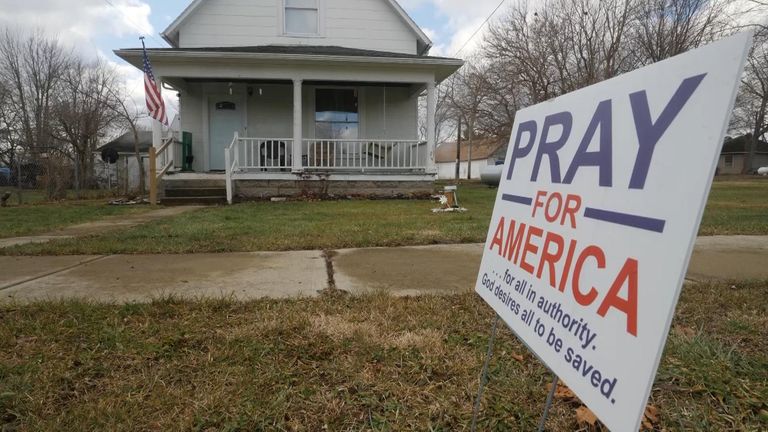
(297,123)
(431,112)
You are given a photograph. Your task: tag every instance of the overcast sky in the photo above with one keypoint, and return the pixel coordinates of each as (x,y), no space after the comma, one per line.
(96,27)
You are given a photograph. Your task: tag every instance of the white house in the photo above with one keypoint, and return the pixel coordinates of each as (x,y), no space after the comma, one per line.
(733,156)
(285,96)
(483,152)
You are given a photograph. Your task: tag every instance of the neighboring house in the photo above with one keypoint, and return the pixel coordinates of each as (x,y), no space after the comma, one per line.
(733,157)
(485,151)
(125,173)
(322,91)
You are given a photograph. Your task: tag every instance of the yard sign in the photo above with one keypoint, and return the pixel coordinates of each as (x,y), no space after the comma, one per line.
(596,216)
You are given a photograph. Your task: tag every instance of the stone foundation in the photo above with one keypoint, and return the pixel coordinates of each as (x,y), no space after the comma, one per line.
(263,189)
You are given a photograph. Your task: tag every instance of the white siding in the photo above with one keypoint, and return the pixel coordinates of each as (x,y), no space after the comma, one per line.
(447,170)
(362,24)
(270,111)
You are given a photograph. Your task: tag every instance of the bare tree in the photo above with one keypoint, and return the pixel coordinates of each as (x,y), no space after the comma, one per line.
(751,111)
(31,66)
(665,28)
(469,93)
(128,116)
(82,114)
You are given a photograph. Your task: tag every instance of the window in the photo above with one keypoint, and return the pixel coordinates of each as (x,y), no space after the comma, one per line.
(336,115)
(729,161)
(302,17)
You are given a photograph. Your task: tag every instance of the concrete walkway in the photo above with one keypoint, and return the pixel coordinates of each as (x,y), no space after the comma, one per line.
(440,269)
(99,226)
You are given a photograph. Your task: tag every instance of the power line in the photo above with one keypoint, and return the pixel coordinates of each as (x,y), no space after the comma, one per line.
(133,24)
(479,28)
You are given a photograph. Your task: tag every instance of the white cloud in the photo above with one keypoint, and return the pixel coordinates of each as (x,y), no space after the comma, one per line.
(460,19)
(83,24)
(78,23)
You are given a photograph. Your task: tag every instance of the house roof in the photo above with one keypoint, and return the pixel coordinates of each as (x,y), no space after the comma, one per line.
(318,50)
(482,148)
(170,34)
(124,143)
(291,55)
(739,145)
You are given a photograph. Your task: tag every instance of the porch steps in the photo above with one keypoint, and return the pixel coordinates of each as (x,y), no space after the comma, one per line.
(194,192)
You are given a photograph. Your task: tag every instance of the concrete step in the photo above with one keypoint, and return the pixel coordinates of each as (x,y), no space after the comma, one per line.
(195,192)
(205,200)
(171,183)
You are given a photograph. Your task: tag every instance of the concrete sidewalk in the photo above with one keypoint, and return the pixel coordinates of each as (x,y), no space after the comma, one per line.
(418,270)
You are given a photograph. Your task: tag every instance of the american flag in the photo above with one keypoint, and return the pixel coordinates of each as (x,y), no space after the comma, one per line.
(155,103)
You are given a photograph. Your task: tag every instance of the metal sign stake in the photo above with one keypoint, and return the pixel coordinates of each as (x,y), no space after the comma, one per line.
(484,374)
(548,404)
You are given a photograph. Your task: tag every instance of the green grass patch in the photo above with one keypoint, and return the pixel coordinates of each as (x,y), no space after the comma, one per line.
(25,220)
(735,207)
(346,363)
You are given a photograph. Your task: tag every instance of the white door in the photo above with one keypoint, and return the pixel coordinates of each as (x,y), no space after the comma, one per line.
(226,118)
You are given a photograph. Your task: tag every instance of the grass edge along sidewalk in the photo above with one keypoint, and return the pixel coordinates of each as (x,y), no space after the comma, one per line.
(735,207)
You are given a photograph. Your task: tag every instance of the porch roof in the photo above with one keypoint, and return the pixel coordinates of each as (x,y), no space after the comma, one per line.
(443,67)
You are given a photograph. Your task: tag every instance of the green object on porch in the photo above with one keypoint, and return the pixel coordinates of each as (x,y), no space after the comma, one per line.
(186,151)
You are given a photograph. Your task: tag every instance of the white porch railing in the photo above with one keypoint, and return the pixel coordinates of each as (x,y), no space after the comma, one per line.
(363,154)
(249,155)
(160,161)
(264,153)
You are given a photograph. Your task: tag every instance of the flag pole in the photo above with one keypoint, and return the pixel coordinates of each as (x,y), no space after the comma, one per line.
(157,131)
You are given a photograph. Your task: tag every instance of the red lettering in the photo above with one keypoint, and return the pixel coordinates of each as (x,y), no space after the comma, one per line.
(498,236)
(567,267)
(530,247)
(538,202)
(514,241)
(550,258)
(558,199)
(628,276)
(572,205)
(589,297)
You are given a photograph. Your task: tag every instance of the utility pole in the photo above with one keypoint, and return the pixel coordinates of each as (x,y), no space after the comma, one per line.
(469,146)
(458,153)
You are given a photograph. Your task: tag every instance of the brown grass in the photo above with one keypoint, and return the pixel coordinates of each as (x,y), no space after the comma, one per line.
(346,363)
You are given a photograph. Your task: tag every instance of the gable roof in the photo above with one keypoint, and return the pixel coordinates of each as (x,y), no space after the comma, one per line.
(124,143)
(482,148)
(169,33)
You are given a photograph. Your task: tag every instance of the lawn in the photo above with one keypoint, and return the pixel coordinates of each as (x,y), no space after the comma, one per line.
(347,363)
(735,207)
(41,217)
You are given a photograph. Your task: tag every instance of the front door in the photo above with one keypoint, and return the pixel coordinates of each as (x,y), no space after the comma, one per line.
(226,118)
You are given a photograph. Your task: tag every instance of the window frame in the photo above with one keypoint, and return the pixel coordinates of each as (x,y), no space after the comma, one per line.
(359,113)
(728,160)
(283,30)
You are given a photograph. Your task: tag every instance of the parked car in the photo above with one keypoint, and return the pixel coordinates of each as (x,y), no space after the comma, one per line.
(5,176)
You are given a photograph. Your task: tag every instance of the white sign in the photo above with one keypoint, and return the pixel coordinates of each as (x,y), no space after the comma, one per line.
(597,212)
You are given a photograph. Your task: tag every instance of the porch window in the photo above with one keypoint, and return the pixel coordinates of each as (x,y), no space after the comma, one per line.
(336,115)
(302,17)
